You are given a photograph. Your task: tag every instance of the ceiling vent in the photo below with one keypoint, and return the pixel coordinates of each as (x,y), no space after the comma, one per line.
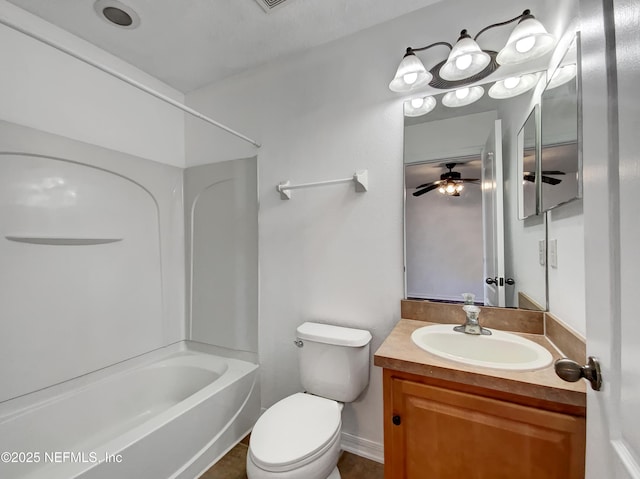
(271,5)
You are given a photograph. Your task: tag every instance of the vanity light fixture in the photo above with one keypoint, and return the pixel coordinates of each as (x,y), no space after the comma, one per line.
(468,63)
(419,106)
(513,86)
(466,59)
(528,40)
(562,75)
(462,96)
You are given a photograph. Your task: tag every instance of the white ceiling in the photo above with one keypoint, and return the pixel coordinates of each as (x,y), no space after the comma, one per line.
(191,43)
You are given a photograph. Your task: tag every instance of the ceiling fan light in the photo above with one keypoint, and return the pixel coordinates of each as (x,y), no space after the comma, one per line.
(410,75)
(502,89)
(462,96)
(562,75)
(419,106)
(442,190)
(465,60)
(528,41)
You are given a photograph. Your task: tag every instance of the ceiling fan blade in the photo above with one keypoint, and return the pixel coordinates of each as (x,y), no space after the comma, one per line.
(468,179)
(550,181)
(427,184)
(429,188)
(553,172)
(545,179)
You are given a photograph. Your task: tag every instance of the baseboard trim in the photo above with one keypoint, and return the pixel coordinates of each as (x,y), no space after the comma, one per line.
(362,447)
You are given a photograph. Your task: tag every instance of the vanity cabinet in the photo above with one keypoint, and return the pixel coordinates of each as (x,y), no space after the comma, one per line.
(436,429)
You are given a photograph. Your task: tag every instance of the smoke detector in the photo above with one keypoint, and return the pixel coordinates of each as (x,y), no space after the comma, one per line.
(270,5)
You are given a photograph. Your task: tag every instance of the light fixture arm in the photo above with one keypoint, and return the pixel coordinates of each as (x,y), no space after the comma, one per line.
(411,50)
(526,14)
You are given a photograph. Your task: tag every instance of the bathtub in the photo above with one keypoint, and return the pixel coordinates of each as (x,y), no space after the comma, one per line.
(167,414)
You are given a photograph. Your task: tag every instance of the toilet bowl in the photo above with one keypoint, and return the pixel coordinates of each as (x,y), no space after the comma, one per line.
(299,436)
(296,438)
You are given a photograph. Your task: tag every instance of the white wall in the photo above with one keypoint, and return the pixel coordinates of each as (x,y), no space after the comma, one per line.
(328,254)
(444,245)
(43,88)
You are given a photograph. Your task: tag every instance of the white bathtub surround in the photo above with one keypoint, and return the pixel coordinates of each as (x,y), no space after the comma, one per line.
(221,209)
(169,413)
(72,309)
(93,277)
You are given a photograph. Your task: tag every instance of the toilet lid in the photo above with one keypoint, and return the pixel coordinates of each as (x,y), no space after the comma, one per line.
(293,430)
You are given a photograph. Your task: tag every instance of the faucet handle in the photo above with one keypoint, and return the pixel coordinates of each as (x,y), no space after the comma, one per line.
(472,311)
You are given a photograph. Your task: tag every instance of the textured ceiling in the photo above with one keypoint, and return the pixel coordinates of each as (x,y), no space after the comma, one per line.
(191,43)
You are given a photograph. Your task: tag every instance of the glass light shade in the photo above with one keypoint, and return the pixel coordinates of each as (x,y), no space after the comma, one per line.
(462,96)
(465,60)
(451,188)
(419,106)
(411,74)
(513,86)
(562,75)
(529,40)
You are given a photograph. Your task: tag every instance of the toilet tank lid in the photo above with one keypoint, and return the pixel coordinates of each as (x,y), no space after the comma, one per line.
(337,335)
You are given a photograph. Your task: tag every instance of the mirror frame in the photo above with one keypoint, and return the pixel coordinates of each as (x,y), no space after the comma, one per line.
(534,118)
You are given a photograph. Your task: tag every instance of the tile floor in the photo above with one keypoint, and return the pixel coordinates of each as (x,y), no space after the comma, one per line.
(232,466)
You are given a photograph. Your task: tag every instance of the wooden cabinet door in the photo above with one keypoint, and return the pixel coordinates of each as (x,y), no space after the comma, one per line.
(446,434)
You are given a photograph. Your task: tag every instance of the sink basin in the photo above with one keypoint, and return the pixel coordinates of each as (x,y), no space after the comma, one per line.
(499,351)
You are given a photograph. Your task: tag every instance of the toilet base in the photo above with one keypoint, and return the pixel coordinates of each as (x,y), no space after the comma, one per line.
(323,467)
(335,474)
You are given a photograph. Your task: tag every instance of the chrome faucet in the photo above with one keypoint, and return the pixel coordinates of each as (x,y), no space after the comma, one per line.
(471,325)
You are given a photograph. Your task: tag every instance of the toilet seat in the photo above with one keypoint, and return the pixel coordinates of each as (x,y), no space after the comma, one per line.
(295,431)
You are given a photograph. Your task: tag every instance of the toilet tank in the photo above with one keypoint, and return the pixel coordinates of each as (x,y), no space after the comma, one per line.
(334,361)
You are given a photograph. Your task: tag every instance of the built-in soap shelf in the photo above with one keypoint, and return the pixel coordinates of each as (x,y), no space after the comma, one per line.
(58,241)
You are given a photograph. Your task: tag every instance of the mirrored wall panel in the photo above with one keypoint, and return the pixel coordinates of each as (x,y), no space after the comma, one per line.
(561,173)
(527,167)
(456,236)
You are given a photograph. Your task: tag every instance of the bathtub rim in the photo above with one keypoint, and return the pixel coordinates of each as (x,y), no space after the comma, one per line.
(19,405)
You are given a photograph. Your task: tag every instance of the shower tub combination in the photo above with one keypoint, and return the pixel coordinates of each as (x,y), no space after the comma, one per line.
(170,413)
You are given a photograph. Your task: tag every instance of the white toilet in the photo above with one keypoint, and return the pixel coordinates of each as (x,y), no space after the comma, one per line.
(299,436)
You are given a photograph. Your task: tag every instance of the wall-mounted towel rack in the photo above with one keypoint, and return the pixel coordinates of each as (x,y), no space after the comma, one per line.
(61,241)
(360,178)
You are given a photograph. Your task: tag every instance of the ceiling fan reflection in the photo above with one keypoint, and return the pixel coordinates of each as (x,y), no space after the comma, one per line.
(450,183)
(531,176)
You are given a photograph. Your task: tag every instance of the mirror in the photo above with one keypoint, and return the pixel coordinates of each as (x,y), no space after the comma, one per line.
(447,236)
(527,167)
(560,159)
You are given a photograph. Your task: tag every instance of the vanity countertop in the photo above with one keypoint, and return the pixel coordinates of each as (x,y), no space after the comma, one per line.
(399,353)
